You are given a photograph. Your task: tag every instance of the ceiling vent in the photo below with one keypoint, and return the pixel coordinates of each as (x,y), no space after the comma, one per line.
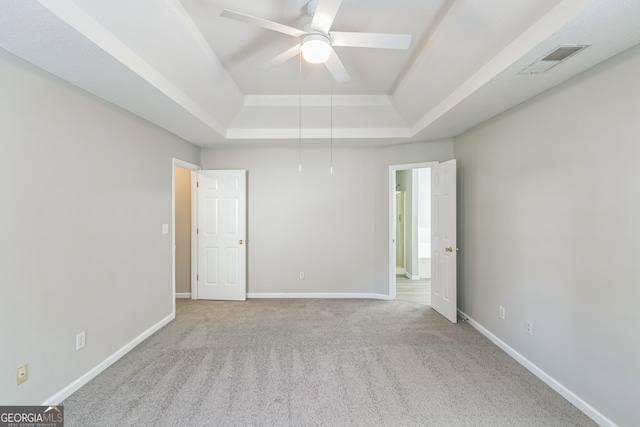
(552,59)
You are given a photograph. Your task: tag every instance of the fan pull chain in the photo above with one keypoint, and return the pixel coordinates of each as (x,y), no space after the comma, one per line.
(331,122)
(300,112)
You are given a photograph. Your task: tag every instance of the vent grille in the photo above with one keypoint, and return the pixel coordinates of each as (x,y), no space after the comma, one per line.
(550,60)
(562,53)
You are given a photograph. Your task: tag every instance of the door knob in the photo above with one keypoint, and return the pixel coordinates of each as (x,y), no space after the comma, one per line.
(241,241)
(449,249)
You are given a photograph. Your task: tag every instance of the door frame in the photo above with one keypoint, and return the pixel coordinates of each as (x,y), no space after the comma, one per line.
(392,217)
(194,266)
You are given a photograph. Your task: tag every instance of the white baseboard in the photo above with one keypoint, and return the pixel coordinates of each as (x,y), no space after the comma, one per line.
(318,295)
(74,386)
(183,295)
(576,400)
(411,277)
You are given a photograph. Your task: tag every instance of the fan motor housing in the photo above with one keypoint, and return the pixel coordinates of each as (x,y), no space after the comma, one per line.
(316,48)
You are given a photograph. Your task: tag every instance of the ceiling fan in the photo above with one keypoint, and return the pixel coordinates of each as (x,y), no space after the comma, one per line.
(317,41)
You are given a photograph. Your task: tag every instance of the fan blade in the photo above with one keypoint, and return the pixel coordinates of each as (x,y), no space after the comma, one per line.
(325,14)
(283,57)
(335,67)
(376,40)
(269,25)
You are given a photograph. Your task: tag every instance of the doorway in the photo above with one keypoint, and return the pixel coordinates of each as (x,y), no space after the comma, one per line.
(413,283)
(182,206)
(413,235)
(183,227)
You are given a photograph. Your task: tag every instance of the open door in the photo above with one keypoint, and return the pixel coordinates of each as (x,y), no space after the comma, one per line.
(222,235)
(443,240)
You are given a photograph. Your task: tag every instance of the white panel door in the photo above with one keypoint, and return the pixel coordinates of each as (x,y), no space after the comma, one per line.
(443,240)
(222,235)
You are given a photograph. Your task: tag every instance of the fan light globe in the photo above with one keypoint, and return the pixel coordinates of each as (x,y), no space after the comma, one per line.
(316,48)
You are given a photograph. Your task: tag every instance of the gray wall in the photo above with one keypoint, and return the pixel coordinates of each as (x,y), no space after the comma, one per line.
(183,229)
(335,228)
(85,188)
(549,228)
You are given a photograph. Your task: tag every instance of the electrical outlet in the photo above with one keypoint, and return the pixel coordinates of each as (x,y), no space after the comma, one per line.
(80,340)
(22,374)
(301,276)
(529,327)
(501,312)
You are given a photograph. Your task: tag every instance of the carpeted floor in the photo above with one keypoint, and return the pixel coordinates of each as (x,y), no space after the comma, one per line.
(306,362)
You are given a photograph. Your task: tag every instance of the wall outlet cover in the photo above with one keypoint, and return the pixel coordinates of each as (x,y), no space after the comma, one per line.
(80,340)
(22,374)
(529,327)
(501,312)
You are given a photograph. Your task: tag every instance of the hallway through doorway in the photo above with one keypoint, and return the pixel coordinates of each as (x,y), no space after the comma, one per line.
(416,291)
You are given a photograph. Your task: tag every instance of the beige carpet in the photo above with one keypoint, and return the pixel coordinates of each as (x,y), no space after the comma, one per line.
(316,363)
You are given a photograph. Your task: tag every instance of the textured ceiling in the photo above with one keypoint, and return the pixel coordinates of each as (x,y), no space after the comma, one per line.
(180,65)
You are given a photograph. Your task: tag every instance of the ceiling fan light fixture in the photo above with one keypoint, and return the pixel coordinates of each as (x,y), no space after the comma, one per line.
(316,48)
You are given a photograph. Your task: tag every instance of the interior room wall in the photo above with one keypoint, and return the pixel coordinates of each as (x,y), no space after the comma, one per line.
(85,190)
(334,227)
(549,199)
(311,221)
(183,229)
